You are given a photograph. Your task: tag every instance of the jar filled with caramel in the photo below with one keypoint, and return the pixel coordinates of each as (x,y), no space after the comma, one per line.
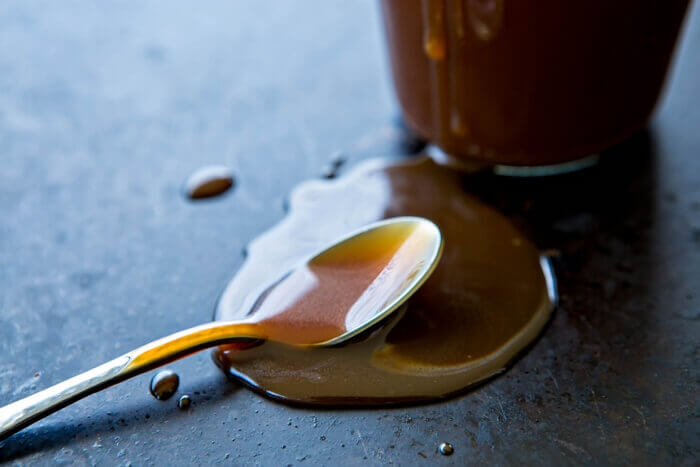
(529,83)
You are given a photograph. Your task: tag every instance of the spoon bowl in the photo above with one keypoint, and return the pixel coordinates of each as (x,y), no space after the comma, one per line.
(349,286)
(345,289)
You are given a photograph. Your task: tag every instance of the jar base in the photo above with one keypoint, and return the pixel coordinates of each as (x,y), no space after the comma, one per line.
(442,158)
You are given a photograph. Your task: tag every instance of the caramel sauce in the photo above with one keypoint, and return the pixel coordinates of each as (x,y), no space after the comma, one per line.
(525,83)
(489,297)
(434,40)
(208,182)
(343,288)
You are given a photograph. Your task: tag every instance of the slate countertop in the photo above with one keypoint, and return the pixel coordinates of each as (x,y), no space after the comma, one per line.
(106,108)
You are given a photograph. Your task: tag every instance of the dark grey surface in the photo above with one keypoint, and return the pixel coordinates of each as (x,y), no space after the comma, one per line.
(105,108)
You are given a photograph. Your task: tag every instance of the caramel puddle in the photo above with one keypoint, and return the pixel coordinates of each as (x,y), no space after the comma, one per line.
(489,297)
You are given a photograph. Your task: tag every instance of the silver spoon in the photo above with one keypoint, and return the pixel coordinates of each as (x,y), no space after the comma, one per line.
(402,283)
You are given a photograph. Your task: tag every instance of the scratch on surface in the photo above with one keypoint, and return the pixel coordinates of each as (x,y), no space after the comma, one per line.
(641,414)
(577,450)
(362,441)
(585,321)
(551,375)
(28,384)
(597,409)
(503,412)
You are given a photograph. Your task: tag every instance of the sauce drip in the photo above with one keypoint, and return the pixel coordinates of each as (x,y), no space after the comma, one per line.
(164,384)
(435,42)
(208,182)
(184,402)
(445,45)
(488,298)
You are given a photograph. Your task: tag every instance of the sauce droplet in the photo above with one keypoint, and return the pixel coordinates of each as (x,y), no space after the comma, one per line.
(164,384)
(184,402)
(209,181)
(446,449)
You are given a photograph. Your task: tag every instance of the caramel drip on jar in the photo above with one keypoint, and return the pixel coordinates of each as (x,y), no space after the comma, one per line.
(458,18)
(444,35)
(434,40)
(457,72)
(436,48)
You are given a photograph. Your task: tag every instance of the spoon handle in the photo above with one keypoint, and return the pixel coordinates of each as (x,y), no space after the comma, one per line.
(24,412)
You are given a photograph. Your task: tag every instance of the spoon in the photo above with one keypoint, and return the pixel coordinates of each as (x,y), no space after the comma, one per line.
(409,246)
